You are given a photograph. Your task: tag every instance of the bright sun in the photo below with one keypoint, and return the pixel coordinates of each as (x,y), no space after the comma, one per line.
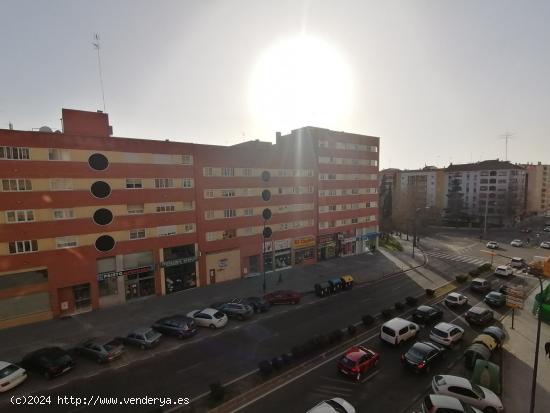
(300,81)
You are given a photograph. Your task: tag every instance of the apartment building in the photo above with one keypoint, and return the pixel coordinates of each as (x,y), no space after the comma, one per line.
(538,189)
(89,220)
(423,188)
(493,188)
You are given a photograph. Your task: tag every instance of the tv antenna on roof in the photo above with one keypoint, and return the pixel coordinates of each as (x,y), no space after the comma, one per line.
(507,136)
(97,46)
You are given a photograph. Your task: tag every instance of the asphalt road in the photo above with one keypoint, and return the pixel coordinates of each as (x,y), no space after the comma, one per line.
(388,388)
(188,370)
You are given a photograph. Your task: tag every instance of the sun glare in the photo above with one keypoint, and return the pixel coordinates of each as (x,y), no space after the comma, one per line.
(300,81)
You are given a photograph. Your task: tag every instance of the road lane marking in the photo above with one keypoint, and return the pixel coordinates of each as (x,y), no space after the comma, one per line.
(368,378)
(189,367)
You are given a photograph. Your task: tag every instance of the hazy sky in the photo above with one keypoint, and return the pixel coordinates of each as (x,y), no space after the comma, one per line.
(436,80)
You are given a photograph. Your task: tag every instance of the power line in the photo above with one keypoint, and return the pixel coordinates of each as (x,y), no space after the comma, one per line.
(97,46)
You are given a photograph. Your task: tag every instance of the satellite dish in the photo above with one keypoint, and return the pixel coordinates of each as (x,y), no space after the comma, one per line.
(45,129)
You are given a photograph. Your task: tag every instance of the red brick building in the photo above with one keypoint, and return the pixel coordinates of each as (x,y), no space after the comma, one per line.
(88,220)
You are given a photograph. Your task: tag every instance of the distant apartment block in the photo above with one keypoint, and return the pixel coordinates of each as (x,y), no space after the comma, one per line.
(538,189)
(89,220)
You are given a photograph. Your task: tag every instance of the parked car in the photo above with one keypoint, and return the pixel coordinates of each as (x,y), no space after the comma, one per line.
(545,245)
(468,392)
(516,243)
(283,297)
(517,262)
(504,271)
(144,338)
(235,310)
(546,229)
(495,299)
(208,317)
(435,403)
(492,245)
(496,332)
(177,325)
(258,304)
(426,314)
(479,315)
(455,299)
(422,355)
(49,361)
(335,405)
(398,330)
(357,361)
(11,375)
(446,333)
(480,285)
(100,350)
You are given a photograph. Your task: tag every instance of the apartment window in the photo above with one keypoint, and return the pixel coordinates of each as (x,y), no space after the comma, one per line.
(247,172)
(354,220)
(166,208)
(344,191)
(207,172)
(10,152)
(66,242)
(189,228)
(228,171)
(355,191)
(20,216)
(248,212)
(164,183)
(212,236)
(332,208)
(167,230)
(229,213)
(161,158)
(209,214)
(66,213)
(135,208)
(55,154)
(187,159)
(20,247)
(137,233)
(209,193)
(229,233)
(331,176)
(188,182)
(227,193)
(332,192)
(134,183)
(61,184)
(13,185)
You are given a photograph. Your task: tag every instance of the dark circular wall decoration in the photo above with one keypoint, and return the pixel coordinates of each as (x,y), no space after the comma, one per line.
(105,243)
(98,161)
(103,216)
(101,189)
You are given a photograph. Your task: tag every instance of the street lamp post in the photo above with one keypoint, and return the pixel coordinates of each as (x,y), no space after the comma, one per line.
(263,256)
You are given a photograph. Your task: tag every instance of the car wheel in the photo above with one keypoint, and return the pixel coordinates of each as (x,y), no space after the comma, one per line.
(212,326)
(489,410)
(47,375)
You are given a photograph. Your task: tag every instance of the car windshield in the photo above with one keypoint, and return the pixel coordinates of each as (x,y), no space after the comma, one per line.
(452,298)
(218,315)
(150,334)
(6,371)
(477,390)
(415,354)
(336,406)
(493,295)
(347,362)
(439,333)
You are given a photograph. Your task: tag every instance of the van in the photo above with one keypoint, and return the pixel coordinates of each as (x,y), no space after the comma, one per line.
(517,262)
(398,330)
(480,285)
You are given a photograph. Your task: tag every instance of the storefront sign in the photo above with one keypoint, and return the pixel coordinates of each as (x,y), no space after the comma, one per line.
(178,261)
(282,244)
(113,274)
(364,237)
(304,242)
(348,240)
(323,239)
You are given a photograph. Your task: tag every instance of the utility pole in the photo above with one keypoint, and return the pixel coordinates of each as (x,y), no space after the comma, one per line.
(507,136)
(97,46)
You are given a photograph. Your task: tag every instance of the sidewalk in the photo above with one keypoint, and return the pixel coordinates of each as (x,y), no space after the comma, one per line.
(118,320)
(518,359)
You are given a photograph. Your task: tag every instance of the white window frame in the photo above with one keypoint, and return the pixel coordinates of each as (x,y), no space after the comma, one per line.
(61,184)
(66,213)
(165,208)
(187,159)
(69,241)
(164,183)
(167,230)
(188,182)
(23,247)
(229,213)
(248,212)
(58,154)
(20,185)
(135,209)
(27,214)
(134,183)
(15,153)
(136,234)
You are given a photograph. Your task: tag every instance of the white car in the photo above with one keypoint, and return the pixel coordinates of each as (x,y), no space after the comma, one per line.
(446,333)
(517,243)
(468,392)
(436,403)
(456,299)
(492,244)
(208,317)
(11,376)
(545,244)
(336,405)
(504,270)
(546,229)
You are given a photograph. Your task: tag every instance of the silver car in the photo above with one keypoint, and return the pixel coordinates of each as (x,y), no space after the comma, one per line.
(446,333)
(144,338)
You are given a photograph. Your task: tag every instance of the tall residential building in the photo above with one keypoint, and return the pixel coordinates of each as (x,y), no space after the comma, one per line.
(424,188)
(494,188)
(538,189)
(89,220)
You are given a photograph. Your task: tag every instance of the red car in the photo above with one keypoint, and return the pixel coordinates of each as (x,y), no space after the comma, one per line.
(283,297)
(357,361)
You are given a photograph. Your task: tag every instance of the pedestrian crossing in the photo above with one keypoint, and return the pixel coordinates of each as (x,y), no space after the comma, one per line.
(456,257)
